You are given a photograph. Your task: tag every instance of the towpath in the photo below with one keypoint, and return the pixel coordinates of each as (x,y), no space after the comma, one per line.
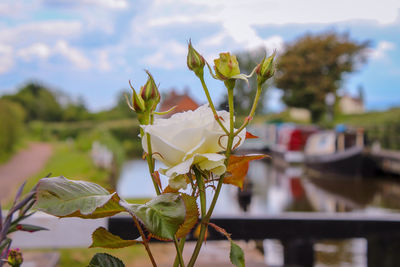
(21,166)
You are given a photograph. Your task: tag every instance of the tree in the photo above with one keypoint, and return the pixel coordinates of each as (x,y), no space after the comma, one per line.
(12,126)
(313,66)
(75,111)
(245,93)
(38,101)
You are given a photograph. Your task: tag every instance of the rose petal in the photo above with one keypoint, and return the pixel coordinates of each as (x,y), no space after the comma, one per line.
(163,151)
(178,182)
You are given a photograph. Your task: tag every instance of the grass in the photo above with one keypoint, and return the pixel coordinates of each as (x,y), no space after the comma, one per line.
(80,257)
(71,163)
(370,118)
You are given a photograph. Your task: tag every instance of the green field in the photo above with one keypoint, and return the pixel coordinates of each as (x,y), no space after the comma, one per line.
(71,163)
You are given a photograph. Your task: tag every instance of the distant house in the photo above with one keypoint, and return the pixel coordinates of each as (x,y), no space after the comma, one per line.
(299,114)
(183,102)
(351,105)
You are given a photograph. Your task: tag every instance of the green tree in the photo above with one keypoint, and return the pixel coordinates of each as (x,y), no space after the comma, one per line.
(313,66)
(38,101)
(12,125)
(76,111)
(245,93)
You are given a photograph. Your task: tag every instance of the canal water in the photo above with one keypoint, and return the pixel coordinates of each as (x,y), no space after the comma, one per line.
(271,190)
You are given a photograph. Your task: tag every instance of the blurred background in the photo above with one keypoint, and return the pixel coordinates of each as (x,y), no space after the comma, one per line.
(64,72)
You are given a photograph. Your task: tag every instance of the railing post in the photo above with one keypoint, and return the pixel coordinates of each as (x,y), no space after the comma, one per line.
(298,252)
(383,251)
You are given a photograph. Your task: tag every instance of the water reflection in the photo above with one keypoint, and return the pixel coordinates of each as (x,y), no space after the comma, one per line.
(270,190)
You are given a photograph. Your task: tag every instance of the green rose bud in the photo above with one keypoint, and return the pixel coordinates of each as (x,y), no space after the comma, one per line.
(266,69)
(226,66)
(148,98)
(15,257)
(137,101)
(195,61)
(149,92)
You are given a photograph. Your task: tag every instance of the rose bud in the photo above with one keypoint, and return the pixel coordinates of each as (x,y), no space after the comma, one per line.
(14,257)
(195,61)
(226,66)
(150,91)
(265,69)
(137,102)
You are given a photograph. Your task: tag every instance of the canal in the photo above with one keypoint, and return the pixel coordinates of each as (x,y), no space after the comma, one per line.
(271,190)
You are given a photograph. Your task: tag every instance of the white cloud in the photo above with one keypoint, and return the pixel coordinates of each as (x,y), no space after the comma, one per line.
(6,58)
(166,55)
(275,11)
(76,57)
(37,50)
(236,21)
(44,52)
(17,9)
(103,63)
(40,31)
(112,4)
(116,4)
(381,50)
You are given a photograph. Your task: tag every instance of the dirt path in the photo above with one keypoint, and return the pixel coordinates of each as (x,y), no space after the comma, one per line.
(22,166)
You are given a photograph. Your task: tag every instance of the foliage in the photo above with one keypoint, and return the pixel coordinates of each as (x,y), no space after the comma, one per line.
(69,161)
(104,239)
(105,260)
(82,256)
(313,66)
(238,167)
(64,198)
(38,101)
(75,111)
(245,92)
(19,211)
(85,141)
(120,111)
(12,126)
(380,126)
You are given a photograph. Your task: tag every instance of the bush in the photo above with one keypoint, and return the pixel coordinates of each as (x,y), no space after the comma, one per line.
(12,126)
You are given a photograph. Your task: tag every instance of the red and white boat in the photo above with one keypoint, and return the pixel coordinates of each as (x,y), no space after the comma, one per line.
(289,148)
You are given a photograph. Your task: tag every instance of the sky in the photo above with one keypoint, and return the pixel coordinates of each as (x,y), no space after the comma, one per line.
(92,48)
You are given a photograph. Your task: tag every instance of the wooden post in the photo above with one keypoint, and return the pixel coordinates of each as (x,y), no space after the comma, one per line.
(341,144)
(360,137)
(298,252)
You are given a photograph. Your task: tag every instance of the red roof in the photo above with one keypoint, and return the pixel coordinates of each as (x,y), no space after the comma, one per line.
(182,102)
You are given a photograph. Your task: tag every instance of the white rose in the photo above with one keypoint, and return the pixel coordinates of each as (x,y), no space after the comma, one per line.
(188,138)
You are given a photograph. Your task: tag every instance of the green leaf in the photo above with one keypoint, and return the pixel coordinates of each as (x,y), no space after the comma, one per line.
(105,260)
(162,216)
(101,238)
(4,244)
(191,217)
(66,198)
(26,228)
(236,255)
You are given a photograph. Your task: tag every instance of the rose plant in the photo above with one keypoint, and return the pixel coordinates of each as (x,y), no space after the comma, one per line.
(196,148)
(13,222)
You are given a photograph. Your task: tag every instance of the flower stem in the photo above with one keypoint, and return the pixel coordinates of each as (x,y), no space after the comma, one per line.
(150,162)
(145,243)
(181,245)
(252,111)
(205,219)
(202,191)
(178,252)
(212,104)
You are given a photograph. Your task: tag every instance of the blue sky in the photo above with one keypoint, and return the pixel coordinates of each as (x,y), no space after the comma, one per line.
(91,48)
